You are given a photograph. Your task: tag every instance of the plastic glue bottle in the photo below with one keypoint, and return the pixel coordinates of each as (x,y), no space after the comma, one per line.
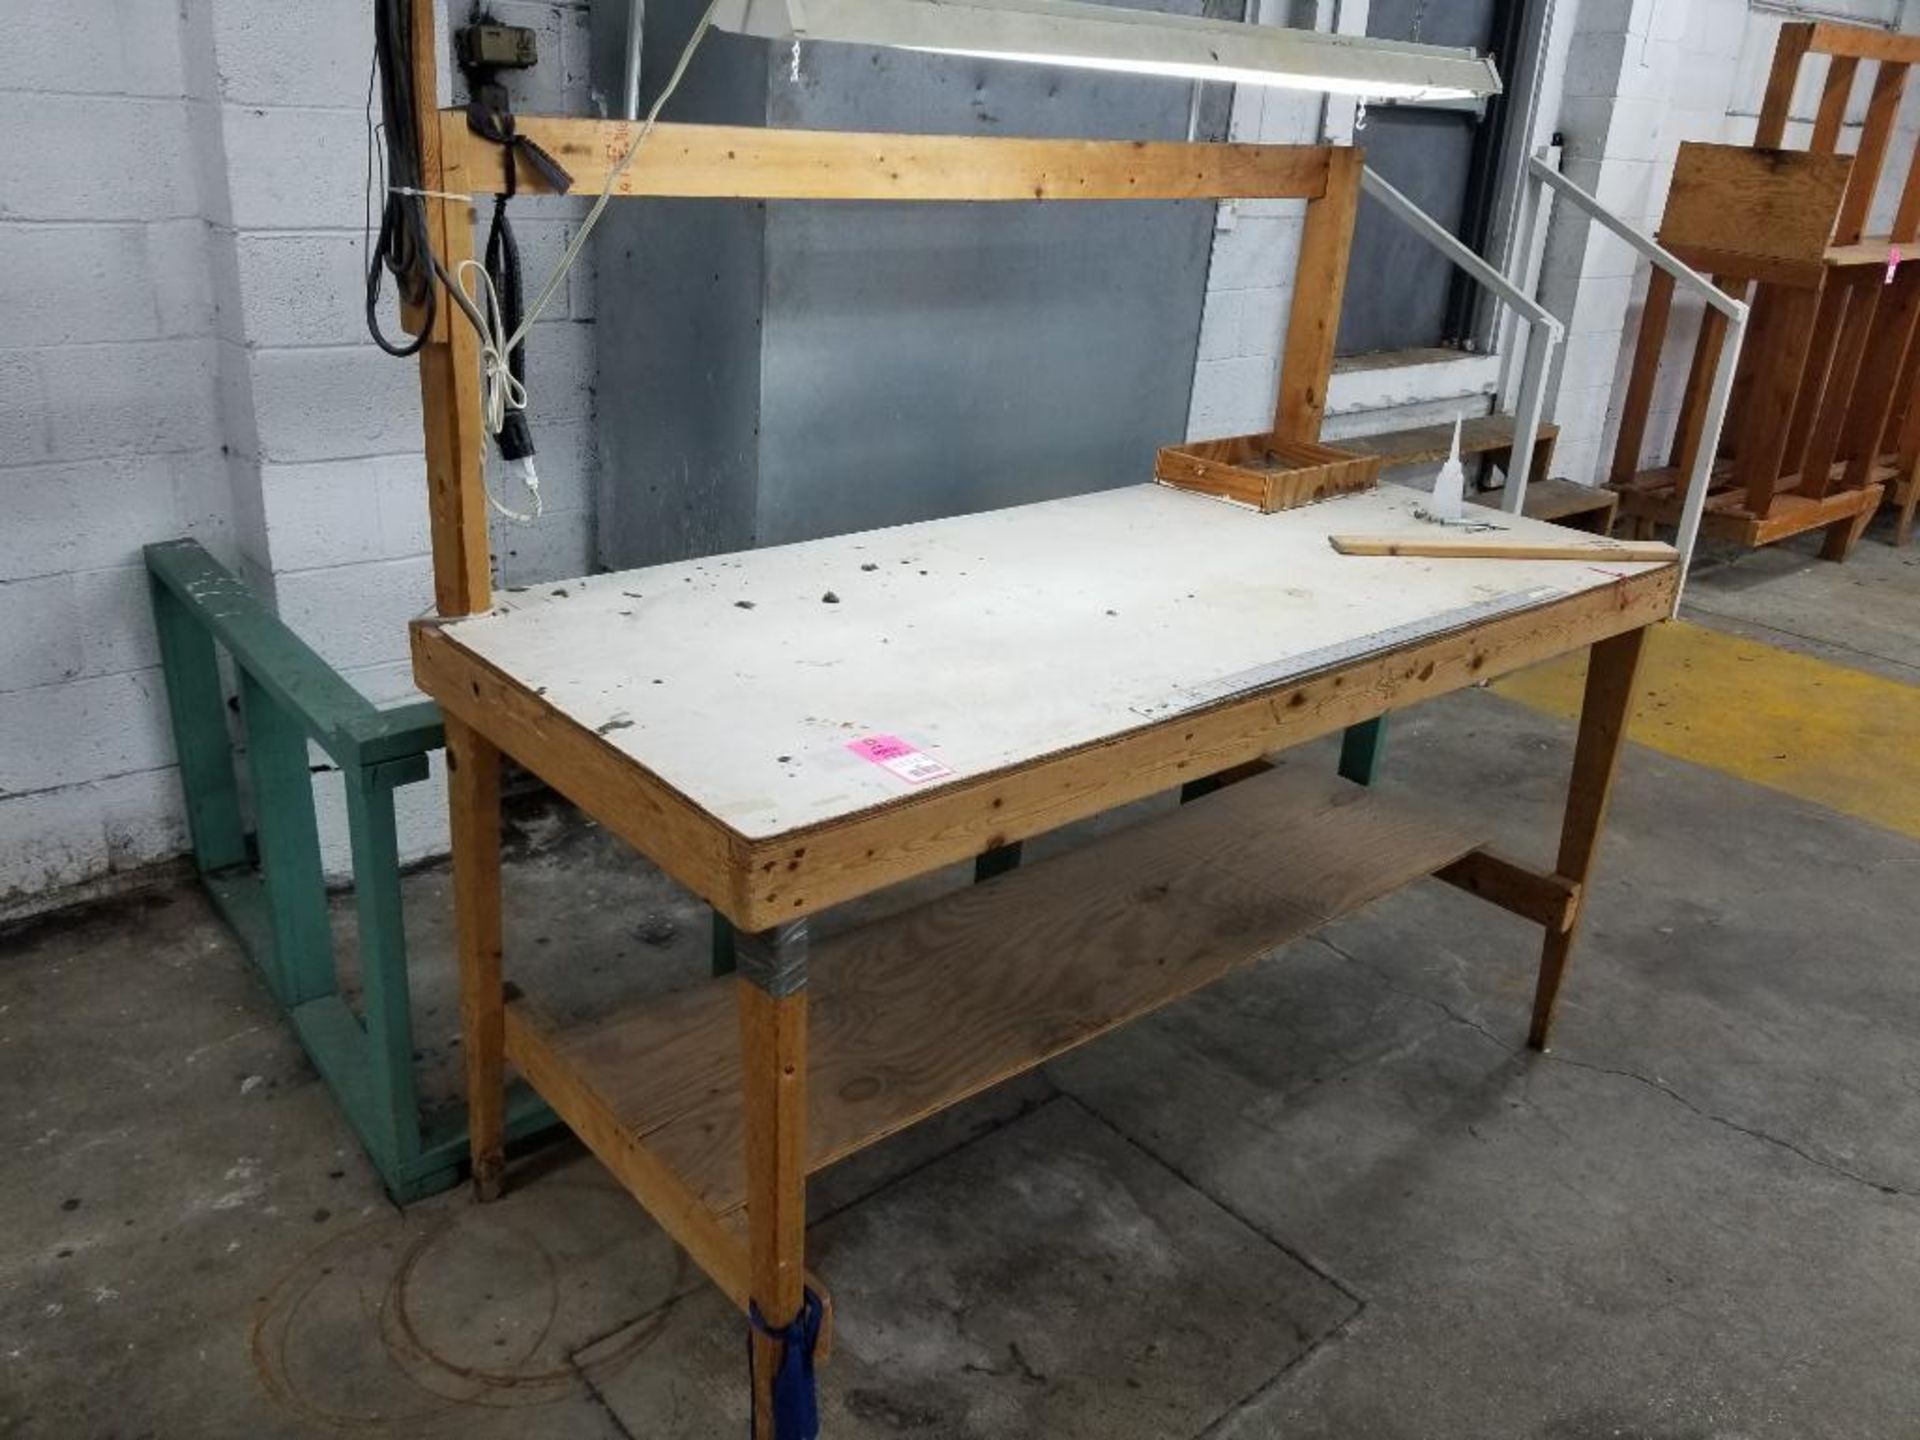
(1450,485)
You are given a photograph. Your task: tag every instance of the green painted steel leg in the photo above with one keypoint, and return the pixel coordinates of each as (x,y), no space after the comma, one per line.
(723,956)
(997,861)
(289,837)
(1362,749)
(197,706)
(386,1005)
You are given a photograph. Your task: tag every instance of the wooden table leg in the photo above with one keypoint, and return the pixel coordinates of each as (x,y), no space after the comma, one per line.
(473,779)
(772,999)
(1611,667)
(1909,499)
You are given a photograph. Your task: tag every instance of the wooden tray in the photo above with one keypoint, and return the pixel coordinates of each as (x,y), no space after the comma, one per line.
(1264,471)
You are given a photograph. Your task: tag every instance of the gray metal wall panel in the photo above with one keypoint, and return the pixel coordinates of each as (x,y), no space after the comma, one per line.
(932,360)
(911,360)
(1397,284)
(677,325)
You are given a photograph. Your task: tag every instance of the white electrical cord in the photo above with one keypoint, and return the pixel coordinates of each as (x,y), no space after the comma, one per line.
(482,306)
(500,388)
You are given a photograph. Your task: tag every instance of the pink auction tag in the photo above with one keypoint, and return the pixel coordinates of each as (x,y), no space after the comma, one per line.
(1893,261)
(893,754)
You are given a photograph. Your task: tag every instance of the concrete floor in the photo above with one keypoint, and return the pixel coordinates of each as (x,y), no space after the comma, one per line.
(1330,1197)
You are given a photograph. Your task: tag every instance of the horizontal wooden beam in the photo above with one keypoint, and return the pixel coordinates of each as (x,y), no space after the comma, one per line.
(1549,900)
(740,162)
(1857,42)
(1734,267)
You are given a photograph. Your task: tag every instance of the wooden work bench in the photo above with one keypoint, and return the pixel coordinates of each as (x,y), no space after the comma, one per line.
(998,676)
(1041,664)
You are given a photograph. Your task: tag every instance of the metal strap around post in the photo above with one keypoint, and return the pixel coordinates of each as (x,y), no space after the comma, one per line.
(724,955)
(1362,748)
(774,960)
(1000,860)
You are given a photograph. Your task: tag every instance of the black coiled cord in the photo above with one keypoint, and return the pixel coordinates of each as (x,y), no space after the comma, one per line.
(403,247)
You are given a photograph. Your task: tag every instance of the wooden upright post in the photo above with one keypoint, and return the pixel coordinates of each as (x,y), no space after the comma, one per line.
(450,361)
(1796,36)
(1889,81)
(772,999)
(1646,367)
(462,584)
(473,777)
(1319,285)
(1611,668)
(1778,343)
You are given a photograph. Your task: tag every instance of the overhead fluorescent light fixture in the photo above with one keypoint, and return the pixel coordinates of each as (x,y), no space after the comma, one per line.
(1140,42)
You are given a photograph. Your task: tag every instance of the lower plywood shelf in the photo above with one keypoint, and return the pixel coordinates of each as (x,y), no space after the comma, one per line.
(917,1012)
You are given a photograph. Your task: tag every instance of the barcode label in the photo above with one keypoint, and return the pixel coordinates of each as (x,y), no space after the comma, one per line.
(896,756)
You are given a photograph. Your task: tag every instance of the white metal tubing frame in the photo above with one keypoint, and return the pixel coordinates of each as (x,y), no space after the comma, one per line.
(1537,361)
(1690,279)
(1532,396)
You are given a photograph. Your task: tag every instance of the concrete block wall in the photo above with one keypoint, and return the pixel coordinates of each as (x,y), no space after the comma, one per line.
(1256,244)
(109,432)
(181,271)
(333,436)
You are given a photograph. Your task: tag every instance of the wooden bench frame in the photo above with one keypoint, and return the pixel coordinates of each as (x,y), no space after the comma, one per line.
(488,714)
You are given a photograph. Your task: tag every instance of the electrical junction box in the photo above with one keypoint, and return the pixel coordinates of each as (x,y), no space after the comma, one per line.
(496,47)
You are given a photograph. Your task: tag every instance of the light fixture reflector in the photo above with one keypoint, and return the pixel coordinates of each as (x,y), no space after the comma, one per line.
(1141,42)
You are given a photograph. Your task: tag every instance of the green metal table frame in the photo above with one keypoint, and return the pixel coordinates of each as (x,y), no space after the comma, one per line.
(268,882)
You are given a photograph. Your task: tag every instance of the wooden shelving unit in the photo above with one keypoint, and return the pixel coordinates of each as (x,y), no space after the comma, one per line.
(1056,662)
(1824,424)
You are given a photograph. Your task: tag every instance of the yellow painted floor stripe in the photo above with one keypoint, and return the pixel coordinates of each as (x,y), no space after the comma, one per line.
(1841,738)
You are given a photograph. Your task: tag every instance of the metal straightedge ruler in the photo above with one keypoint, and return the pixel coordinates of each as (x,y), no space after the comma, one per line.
(1330,657)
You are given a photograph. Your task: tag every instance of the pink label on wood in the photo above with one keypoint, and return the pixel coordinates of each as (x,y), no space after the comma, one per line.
(896,756)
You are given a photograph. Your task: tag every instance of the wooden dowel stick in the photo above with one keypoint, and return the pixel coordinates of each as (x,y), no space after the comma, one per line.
(1475,547)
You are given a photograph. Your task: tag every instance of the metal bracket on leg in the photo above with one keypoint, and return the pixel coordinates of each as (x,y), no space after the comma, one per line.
(774,960)
(722,953)
(1000,860)
(1362,748)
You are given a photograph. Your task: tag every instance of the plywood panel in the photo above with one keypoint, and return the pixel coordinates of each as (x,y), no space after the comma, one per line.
(1780,204)
(983,642)
(915,1013)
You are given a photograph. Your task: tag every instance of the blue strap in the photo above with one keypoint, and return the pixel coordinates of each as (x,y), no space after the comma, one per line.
(796,1414)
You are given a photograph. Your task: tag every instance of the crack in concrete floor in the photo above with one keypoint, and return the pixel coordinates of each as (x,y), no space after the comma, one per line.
(1653,1083)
